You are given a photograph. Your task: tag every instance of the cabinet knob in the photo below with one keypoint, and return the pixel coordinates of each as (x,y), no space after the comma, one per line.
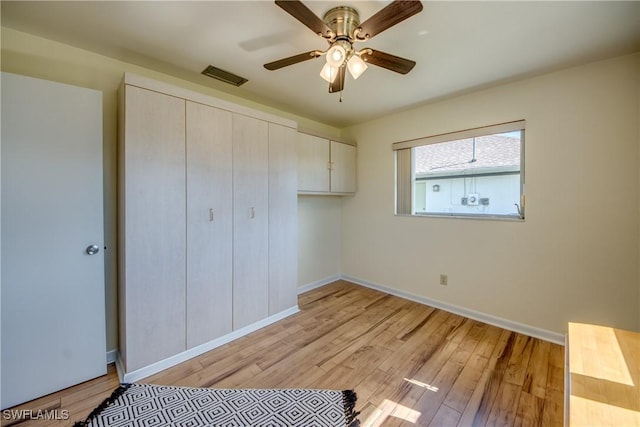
(211,215)
(252,212)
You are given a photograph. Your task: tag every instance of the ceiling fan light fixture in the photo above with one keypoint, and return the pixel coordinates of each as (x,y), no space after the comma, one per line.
(336,55)
(356,66)
(341,28)
(329,73)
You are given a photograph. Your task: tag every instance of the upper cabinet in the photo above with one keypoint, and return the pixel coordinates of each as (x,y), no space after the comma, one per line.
(343,168)
(313,164)
(325,166)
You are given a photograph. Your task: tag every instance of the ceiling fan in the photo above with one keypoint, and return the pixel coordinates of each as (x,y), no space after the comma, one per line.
(341,28)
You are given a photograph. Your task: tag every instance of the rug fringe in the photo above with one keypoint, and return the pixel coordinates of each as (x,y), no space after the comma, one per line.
(105,403)
(349,398)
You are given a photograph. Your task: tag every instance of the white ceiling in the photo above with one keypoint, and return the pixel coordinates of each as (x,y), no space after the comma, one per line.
(458,46)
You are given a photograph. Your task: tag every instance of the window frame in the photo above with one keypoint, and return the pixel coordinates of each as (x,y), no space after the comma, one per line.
(401,174)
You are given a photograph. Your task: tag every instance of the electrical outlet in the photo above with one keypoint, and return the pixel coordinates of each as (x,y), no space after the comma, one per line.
(444,280)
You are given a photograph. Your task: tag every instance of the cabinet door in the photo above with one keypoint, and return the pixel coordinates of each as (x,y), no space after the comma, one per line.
(153,225)
(250,220)
(209,223)
(283,223)
(313,161)
(343,168)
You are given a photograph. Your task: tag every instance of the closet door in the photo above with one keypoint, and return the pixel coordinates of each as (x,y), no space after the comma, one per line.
(283,214)
(250,220)
(153,227)
(209,223)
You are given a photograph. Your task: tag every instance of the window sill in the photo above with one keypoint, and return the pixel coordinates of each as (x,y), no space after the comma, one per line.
(508,218)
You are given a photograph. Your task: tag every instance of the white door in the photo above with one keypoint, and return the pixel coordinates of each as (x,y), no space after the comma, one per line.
(53,315)
(283,215)
(209,223)
(152,228)
(250,220)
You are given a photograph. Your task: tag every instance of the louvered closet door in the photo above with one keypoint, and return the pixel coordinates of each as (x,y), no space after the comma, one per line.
(209,223)
(251,222)
(154,235)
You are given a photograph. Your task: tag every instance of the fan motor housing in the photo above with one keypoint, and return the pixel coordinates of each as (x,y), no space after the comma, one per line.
(342,20)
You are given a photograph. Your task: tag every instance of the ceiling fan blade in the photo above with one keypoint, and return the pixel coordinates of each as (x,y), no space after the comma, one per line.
(284,62)
(388,61)
(303,14)
(388,16)
(338,83)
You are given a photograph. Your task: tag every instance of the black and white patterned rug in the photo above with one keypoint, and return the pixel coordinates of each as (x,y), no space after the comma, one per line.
(152,405)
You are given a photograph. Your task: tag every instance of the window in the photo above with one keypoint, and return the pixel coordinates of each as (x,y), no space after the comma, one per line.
(477,172)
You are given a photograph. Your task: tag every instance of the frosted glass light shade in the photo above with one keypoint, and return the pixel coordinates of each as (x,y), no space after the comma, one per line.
(356,66)
(336,55)
(329,73)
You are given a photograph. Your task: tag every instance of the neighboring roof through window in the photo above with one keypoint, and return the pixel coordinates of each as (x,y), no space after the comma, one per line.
(490,153)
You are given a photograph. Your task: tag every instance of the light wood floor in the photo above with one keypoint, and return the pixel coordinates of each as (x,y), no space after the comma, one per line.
(409,364)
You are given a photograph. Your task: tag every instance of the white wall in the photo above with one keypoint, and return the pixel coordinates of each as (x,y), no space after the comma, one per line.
(319,238)
(574,258)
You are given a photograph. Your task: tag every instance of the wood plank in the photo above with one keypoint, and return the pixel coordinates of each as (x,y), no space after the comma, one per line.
(445,417)
(431,401)
(553,413)
(536,374)
(519,360)
(555,372)
(503,412)
(468,380)
(530,410)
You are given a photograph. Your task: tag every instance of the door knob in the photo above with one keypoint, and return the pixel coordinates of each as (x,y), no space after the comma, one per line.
(92,249)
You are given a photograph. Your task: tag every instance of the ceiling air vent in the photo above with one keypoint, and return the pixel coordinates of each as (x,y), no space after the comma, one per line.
(224,76)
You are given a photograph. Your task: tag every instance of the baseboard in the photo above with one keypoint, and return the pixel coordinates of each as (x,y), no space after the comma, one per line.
(112,355)
(119,368)
(510,325)
(138,374)
(318,284)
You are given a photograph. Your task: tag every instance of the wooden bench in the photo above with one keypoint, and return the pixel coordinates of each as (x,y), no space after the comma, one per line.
(602,373)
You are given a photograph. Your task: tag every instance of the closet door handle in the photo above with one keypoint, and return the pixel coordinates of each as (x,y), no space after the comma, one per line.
(252,212)
(211,215)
